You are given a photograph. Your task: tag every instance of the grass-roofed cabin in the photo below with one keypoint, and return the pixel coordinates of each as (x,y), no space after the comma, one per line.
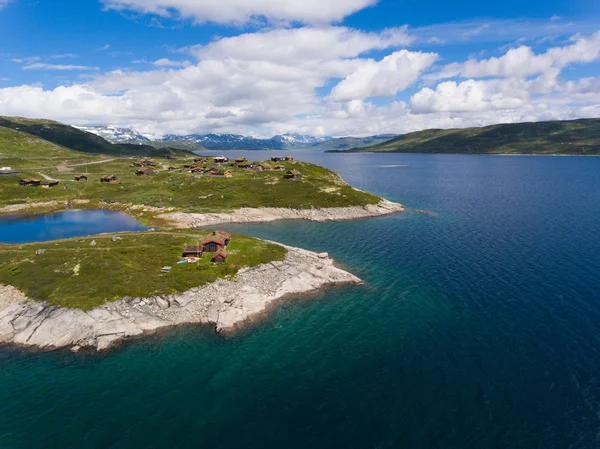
(219,257)
(81,178)
(30,182)
(49,184)
(112,179)
(293,174)
(217,241)
(192,251)
(145,171)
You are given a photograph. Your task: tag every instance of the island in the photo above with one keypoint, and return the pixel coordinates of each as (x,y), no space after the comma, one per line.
(92,292)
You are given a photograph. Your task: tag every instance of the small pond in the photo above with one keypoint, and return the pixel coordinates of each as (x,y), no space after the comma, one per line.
(60,225)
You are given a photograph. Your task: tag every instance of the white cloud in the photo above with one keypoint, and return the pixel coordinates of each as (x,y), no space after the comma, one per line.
(243,11)
(64,55)
(44,66)
(165,62)
(104,47)
(383,78)
(522,61)
(275,80)
(3,3)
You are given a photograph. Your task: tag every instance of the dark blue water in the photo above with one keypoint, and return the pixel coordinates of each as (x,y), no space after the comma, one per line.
(478,327)
(72,223)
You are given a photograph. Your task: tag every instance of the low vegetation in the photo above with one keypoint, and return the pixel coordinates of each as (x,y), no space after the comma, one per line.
(573,137)
(177,188)
(87,272)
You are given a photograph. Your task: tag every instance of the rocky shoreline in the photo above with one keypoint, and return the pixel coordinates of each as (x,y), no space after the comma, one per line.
(268,214)
(226,304)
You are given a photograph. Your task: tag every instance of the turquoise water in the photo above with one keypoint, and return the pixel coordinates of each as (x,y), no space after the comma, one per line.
(60,225)
(477,327)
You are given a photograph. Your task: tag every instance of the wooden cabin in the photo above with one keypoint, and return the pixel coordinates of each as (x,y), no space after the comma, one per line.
(30,182)
(49,184)
(112,179)
(145,171)
(218,240)
(81,178)
(228,174)
(293,174)
(219,257)
(247,165)
(220,159)
(282,158)
(192,251)
(279,167)
(241,160)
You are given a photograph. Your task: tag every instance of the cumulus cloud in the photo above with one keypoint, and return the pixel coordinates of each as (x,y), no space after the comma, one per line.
(522,61)
(165,62)
(383,78)
(275,81)
(242,11)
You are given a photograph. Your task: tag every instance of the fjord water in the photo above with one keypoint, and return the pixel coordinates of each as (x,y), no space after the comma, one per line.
(478,327)
(60,225)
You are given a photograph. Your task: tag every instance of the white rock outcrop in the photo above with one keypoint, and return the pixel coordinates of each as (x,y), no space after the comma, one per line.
(267,214)
(226,304)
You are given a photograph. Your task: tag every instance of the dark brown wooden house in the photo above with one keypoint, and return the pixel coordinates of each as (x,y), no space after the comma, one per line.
(81,178)
(30,182)
(192,251)
(48,184)
(293,174)
(145,171)
(109,178)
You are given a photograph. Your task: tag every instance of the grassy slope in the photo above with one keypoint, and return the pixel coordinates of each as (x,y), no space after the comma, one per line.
(320,187)
(576,137)
(346,143)
(77,139)
(73,273)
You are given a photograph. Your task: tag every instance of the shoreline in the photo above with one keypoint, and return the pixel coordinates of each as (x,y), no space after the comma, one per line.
(269,214)
(227,304)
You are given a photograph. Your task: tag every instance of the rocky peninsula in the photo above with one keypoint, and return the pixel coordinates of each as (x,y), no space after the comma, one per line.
(268,214)
(226,304)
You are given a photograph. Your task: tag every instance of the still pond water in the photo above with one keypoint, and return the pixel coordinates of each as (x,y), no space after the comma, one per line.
(478,327)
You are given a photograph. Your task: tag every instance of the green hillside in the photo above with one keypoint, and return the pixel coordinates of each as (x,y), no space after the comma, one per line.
(347,143)
(171,185)
(76,139)
(574,137)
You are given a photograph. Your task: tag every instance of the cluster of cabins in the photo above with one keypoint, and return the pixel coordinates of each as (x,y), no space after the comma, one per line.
(215,244)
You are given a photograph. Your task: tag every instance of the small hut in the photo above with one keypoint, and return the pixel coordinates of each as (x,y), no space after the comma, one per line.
(279,167)
(30,182)
(145,171)
(220,159)
(49,184)
(81,178)
(241,160)
(219,257)
(112,179)
(293,174)
(228,174)
(192,251)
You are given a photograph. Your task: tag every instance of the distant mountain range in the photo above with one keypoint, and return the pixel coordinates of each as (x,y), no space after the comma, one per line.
(198,142)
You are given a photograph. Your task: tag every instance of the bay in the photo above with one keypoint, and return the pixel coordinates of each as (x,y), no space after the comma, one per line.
(478,327)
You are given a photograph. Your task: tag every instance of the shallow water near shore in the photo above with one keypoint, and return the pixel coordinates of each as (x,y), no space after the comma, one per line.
(477,327)
(60,225)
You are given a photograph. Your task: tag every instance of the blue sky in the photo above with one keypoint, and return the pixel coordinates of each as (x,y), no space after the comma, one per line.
(335,67)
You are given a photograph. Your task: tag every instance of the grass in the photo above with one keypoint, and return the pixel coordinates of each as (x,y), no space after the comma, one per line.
(82,141)
(74,273)
(178,189)
(573,137)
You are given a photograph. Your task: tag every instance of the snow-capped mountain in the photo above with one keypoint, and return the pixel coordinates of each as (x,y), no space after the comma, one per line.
(236,141)
(296,139)
(117,135)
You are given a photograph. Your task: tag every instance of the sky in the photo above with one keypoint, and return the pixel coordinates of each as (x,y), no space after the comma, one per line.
(318,67)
